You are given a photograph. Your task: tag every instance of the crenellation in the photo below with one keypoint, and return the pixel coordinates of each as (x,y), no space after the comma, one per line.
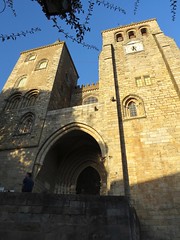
(87,87)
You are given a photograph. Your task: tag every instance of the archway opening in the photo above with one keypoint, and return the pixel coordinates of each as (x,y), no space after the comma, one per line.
(88,182)
(73,157)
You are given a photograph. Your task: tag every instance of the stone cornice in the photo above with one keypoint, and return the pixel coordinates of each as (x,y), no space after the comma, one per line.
(129,25)
(46,46)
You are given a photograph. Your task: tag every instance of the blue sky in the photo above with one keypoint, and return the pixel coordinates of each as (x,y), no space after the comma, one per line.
(29,15)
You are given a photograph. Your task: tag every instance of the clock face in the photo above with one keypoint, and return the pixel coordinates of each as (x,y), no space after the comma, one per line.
(133,47)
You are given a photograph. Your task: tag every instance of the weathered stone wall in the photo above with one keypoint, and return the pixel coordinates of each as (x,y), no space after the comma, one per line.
(39,79)
(152,137)
(14,165)
(43,216)
(18,151)
(82,117)
(83,92)
(138,154)
(64,82)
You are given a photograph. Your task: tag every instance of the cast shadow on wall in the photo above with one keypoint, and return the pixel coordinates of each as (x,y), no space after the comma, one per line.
(156,203)
(30,120)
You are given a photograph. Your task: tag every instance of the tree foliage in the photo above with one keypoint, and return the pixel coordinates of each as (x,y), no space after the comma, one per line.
(8,3)
(14,36)
(77,18)
(173,7)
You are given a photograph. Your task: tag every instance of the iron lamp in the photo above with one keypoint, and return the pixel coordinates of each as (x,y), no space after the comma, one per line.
(55,7)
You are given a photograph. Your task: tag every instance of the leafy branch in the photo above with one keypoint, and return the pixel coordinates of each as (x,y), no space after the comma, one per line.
(136,5)
(72,19)
(75,17)
(8,3)
(111,6)
(173,8)
(14,36)
(11,6)
(67,35)
(90,10)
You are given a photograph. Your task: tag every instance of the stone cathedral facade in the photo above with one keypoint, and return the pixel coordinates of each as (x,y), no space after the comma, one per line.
(120,136)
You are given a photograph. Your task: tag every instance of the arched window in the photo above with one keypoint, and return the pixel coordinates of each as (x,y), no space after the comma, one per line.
(90,100)
(13,102)
(144,31)
(30,57)
(42,64)
(26,124)
(131,34)
(119,37)
(30,98)
(21,82)
(133,107)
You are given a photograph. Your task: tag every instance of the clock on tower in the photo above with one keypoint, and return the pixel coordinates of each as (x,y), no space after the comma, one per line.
(132,47)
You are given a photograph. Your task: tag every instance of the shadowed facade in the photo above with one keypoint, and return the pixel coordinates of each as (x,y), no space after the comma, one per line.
(117,137)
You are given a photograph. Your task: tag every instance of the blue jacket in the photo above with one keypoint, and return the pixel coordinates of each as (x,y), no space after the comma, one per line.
(27,185)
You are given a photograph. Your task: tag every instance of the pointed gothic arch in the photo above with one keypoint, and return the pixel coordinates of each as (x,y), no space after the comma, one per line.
(68,128)
(133,107)
(26,124)
(65,155)
(88,181)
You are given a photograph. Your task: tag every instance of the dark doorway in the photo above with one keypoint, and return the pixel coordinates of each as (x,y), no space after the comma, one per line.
(88,182)
(66,161)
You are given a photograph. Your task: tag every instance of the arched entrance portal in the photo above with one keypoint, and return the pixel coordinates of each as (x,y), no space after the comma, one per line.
(75,157)
(88,182)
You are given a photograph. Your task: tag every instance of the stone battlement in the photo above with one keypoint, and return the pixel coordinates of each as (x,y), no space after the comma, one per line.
(85,88)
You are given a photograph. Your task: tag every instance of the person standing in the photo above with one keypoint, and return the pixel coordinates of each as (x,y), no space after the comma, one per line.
(28,183)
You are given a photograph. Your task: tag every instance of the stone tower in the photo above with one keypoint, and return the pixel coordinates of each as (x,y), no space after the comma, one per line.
(117,137)
(143,66)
